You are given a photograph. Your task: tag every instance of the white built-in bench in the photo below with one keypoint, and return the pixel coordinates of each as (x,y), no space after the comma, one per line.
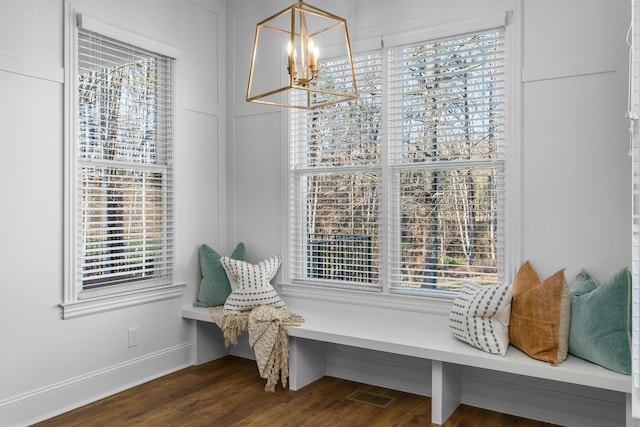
(411,333)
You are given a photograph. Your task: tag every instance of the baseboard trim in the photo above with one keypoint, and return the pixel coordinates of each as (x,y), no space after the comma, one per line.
(46,402)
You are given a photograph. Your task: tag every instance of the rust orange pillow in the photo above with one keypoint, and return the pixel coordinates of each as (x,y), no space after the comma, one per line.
(540,315)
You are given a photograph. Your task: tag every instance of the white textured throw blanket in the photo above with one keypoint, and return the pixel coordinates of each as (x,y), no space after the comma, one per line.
(268,337)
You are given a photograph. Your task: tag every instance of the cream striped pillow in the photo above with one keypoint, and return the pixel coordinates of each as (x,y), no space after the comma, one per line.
(480,316)
(250,284)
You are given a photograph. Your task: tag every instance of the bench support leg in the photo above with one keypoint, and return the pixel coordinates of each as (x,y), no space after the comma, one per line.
(446,390)
(307,362)
(630,421)
(209,343)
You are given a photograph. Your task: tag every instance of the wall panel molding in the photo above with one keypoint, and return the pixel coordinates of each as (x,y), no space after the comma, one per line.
(31,68)
(570,67)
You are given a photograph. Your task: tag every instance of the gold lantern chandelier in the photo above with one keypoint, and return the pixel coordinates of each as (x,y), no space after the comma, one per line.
(285,68)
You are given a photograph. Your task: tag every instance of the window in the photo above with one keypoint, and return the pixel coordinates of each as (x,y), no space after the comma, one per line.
(121,209)
(403,189)
(336,179)
(447,161)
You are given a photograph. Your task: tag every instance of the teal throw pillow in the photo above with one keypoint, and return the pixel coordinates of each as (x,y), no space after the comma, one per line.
(600,329)
(214,286)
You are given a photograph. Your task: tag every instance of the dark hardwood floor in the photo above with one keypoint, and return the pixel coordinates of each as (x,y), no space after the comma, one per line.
(229,392)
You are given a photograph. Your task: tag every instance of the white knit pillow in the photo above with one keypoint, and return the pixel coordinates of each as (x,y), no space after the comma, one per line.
(250,285)
(480,316)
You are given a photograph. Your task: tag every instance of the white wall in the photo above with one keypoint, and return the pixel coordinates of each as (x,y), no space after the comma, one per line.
(576,168)
(47,364)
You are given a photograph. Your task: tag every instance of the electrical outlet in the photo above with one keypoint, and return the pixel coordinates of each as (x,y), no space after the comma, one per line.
(133,336)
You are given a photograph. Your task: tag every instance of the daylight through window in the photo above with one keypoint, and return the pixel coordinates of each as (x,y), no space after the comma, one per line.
(404,186)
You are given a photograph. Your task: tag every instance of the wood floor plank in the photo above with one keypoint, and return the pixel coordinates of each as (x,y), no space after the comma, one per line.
(229,392)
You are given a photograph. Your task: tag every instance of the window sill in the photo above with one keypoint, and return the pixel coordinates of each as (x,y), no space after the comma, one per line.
(440,304)
(98,303)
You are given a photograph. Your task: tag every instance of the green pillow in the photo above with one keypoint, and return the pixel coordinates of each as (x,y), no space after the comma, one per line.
(214,286)
(600,329)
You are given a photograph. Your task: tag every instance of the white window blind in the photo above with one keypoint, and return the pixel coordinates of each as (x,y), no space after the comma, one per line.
(404,189)
(124,158)
(446,124)
(336,182)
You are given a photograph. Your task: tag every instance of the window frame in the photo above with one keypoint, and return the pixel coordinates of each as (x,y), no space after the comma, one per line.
(438,302)
(76,300)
